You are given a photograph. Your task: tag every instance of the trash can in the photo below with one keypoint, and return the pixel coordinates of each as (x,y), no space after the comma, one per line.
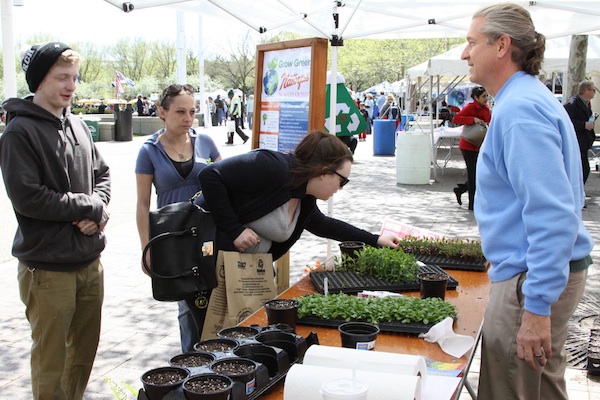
(201,119)
(93,124)
(413,158)
(123,123)
(384,132)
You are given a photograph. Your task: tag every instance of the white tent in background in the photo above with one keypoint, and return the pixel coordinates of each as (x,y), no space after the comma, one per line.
(445,64)
(556,57)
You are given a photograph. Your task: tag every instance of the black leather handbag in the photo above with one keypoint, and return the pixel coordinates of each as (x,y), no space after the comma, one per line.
(182,251)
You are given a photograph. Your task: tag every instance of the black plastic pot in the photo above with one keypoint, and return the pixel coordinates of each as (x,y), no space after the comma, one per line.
(238,332)
(223,345)
(351,249)
(263,354)
(285,341)
(433,285)
(248,379)
(284,311)
(223,394)
(192,359)
(358,335)
(156,391)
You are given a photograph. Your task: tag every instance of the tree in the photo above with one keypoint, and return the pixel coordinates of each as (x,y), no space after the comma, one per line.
(367,62)
(164,59)
(238,68)
(92,66)
(131,58)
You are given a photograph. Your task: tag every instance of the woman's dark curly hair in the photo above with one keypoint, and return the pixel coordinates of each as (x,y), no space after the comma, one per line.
(319,153)
(477,91)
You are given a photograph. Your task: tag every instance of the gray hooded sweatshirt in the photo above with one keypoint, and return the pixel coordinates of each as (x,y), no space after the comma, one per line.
(53,175)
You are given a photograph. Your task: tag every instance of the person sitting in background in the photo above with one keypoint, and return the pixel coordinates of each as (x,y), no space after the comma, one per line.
(476,112)
(171,160)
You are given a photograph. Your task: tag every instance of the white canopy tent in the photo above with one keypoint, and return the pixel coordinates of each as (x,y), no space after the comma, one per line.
(556,59)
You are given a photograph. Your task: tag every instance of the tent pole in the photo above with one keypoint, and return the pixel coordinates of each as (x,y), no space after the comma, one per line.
(333,103)
(433,148)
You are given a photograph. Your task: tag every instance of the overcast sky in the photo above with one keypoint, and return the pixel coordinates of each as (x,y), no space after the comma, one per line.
(100,22)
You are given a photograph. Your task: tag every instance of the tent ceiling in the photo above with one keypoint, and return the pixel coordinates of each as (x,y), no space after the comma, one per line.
(390,18)
(556,59)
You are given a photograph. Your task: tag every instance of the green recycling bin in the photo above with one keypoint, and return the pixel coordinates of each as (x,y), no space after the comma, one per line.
(93,124)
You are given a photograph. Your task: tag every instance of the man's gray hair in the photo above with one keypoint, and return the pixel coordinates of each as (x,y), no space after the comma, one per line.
(515,21)
(584,85)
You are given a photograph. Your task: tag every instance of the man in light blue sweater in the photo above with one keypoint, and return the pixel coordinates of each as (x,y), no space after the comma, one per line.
(528,208)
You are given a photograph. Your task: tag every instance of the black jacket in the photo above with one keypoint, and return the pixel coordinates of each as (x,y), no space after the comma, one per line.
(242,189)
(580,113)
(53,176)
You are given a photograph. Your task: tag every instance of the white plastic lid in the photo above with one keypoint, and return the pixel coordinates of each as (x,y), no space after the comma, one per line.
(344,389)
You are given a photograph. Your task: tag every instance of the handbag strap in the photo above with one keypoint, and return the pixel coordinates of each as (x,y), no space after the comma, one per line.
(194,271)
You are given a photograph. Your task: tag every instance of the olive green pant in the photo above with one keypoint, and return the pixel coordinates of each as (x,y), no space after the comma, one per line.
(503,375)
(64,311)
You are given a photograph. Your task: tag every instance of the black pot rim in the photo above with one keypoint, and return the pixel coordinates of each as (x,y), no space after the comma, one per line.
(295,302)
(166,368)
(209,375)
(193,353)
(368,325)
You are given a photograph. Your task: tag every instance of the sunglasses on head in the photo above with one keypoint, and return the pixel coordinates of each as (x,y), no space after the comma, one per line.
(344,180)
(175,89)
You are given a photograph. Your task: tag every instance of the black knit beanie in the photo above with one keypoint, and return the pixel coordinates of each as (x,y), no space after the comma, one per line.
(38,60)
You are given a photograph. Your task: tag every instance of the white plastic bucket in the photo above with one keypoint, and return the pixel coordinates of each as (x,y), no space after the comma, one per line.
(413,158)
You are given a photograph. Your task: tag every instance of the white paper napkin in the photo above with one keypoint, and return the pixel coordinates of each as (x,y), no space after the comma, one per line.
(450,342)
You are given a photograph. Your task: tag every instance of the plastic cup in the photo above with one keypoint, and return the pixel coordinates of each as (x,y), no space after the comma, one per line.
(344,389)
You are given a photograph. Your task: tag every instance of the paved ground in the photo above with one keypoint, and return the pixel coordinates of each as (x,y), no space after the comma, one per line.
(139,333)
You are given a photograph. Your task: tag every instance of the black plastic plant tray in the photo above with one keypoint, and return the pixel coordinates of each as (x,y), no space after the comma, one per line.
(352,282)
(396,327)
(452,263)
(265,378)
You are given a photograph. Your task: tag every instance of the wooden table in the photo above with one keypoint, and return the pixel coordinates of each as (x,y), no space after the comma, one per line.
(470,298)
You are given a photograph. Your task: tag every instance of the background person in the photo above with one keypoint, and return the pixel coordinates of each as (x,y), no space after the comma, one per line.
(235,112)
(59,187)
(171,160)
(579,109)
(528,212)
(391,110)
(369,106)
(476,112)
(250,110)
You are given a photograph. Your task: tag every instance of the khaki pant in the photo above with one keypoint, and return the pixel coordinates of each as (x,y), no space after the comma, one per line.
(503,375)
(64,311)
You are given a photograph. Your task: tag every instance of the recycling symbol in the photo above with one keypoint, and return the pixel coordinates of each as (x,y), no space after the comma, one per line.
(348,119)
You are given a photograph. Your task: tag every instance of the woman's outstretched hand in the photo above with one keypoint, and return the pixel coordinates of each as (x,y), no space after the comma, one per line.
(388,240)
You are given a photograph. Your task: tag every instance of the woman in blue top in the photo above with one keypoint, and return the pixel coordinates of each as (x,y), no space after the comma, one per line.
(171,160)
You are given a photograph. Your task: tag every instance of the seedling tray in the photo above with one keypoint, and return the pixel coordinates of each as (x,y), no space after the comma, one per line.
(267,376)
(397,327)
(352,282)
(452,263)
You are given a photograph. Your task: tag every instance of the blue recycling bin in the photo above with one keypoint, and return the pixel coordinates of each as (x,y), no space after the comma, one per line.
(405,117)
(384,137)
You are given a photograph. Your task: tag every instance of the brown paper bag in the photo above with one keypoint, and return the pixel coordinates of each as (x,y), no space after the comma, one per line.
(244,283)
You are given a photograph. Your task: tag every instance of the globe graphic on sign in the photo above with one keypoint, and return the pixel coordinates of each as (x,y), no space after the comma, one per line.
(270,82)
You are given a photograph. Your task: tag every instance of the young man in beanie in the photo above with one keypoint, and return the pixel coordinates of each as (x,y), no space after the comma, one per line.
(59,187)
